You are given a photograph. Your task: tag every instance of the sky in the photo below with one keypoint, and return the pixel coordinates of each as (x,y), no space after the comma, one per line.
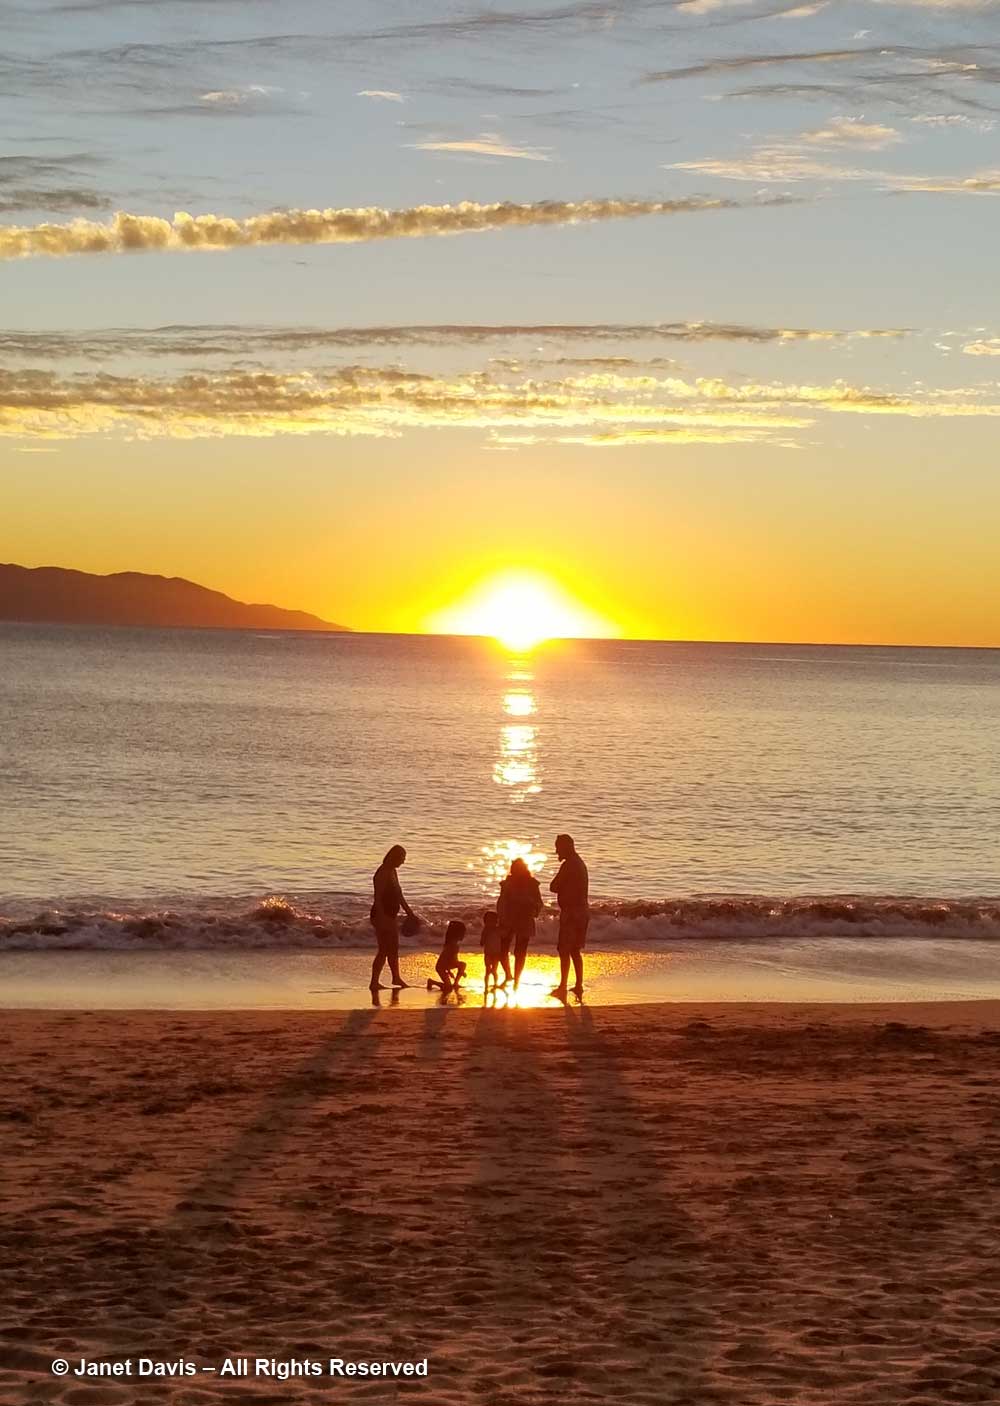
(688,305)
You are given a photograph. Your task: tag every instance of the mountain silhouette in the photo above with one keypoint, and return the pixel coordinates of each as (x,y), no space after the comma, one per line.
(53,594)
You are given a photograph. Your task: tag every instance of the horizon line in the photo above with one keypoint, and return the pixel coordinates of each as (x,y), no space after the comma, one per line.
(349,631)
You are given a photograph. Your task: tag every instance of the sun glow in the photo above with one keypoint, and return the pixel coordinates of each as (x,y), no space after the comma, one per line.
(521,609)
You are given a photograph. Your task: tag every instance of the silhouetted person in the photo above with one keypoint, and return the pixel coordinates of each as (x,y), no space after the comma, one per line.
(450,967)
(492,947)
(385,914)
(571,888)
(518,906)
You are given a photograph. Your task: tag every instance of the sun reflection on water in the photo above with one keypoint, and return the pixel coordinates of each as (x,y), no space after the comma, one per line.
(500,855)
(519,704)
(516,769)
(516,764)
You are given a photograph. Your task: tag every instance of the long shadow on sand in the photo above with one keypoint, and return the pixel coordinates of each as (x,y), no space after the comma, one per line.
(645,1306)
(215,1278)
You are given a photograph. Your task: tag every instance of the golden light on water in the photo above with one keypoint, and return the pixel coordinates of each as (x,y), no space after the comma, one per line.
(519,705)
(516,766)
(520,609)
(499,856)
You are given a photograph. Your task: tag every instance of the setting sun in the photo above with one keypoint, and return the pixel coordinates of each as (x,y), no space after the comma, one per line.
(521,609)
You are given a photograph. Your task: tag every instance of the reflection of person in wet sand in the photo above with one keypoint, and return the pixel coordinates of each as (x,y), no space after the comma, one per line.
(384,916)
(570,887)
(518,906)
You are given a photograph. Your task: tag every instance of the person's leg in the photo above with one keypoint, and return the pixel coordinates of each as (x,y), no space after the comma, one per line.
(388,950)
(577,957)
(520,957)
(460,969)
(377,965)
(561,989)
(505,962)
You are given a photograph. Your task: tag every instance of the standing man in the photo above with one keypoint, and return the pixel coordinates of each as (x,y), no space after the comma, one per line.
(384,914)
(571,888)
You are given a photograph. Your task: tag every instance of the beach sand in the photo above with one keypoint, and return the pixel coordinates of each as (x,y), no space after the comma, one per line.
(657,1204)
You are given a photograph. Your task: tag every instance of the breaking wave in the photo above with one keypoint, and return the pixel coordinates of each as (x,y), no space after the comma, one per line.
(317,921)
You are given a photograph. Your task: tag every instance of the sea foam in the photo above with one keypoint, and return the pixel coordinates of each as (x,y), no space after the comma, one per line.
(309,922)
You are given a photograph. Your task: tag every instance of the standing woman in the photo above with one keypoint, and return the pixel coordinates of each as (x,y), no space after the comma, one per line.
(384,916)
(518,906)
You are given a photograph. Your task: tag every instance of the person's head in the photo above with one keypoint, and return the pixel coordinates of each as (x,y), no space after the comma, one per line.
(489,919)
(565,846)
(395,857)
(455,931)
(519,869)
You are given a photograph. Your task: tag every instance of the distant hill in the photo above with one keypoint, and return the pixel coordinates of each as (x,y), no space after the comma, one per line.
(54,595)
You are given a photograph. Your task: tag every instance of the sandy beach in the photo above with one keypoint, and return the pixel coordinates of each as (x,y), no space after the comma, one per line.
(687,1204)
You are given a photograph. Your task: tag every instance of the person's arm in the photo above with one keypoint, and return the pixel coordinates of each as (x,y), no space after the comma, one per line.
(554,885)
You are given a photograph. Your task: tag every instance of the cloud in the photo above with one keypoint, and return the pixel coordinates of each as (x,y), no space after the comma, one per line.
(955,119)
(795,159)
(616,364)
(250,341)
(127,233)
(788,161)
(383,94)
(486,144)
(852,132)
(60,200)
(897,73)
(250,100)
(236,97)
(354,401)
(41,183)
(600,409)
(664,434)
(984,183)
(772,165)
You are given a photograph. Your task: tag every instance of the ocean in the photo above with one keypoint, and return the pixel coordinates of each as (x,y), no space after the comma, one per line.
(212,789)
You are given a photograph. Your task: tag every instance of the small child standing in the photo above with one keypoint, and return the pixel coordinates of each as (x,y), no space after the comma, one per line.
(492,945)
(449,961)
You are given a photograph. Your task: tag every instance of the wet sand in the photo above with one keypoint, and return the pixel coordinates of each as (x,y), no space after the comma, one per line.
(818,969)
(695,1204)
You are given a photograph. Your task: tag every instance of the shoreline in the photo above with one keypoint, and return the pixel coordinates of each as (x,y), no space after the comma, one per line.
(737,1205)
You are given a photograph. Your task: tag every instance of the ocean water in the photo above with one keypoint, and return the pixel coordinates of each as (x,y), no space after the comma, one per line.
(167,788)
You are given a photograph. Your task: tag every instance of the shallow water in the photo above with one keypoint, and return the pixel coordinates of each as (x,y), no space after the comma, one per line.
(834,970)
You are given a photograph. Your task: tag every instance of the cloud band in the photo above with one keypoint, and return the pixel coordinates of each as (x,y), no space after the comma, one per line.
(126,233)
